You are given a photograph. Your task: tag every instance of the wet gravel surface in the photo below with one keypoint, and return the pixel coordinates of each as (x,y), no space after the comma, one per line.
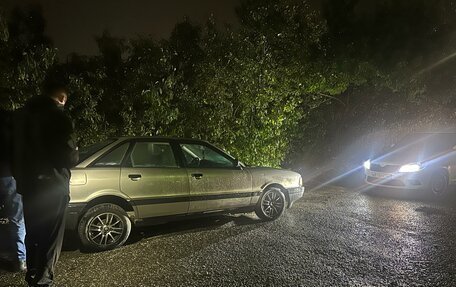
(331,237)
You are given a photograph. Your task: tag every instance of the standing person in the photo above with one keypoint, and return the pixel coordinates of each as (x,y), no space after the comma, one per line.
(13,233)
(44,150)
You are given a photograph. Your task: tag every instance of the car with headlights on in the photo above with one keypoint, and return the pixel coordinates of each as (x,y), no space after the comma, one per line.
(425,161)
(148,180)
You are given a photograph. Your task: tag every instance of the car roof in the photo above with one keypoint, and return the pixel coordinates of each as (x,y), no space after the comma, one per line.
(170,138)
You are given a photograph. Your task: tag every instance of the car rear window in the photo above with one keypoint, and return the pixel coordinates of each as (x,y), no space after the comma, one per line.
(88,151)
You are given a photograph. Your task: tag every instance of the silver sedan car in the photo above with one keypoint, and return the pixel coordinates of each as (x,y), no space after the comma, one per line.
(148,180)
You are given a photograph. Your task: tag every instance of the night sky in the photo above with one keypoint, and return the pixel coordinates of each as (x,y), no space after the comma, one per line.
(73,24)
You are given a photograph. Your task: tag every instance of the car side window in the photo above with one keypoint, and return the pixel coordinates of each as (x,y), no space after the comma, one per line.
(202,156)
(113,158)
(152,154)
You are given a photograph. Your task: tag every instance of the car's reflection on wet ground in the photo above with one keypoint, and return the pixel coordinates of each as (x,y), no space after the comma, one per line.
(334,236)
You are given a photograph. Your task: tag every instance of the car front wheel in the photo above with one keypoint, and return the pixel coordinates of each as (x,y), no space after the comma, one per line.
(271,204)
(439,182)
(104,227)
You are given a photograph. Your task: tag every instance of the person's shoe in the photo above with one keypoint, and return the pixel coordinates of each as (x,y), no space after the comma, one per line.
(20,266)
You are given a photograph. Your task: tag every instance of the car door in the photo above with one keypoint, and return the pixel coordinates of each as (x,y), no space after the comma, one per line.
(153,179)
(216,182)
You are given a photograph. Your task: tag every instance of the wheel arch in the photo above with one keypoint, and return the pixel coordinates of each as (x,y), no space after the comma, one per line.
(437,171)
(117,200)
(112,199)
(447,170)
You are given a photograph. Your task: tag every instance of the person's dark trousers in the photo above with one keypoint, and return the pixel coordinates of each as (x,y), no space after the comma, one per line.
(13,236)
(44,212)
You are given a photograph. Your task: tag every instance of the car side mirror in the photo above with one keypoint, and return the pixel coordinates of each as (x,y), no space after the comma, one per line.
(238,164)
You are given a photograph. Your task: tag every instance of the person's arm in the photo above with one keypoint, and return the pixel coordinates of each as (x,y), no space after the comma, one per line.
(66,154)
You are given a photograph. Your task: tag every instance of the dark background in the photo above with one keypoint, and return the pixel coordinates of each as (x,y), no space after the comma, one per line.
(73,25)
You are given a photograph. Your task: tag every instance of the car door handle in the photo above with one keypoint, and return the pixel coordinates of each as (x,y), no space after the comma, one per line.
(197,175)
(134,177)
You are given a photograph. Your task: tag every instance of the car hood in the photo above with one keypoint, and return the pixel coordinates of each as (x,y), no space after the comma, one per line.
(266,175)
(268,170)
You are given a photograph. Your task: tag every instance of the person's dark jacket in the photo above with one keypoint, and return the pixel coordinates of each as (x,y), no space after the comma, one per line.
(5,143)
(44,147)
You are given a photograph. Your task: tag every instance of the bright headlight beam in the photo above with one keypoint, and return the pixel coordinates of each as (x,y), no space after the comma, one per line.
(367,164)
(410,168)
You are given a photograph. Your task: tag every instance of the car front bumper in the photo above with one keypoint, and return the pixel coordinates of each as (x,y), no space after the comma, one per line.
(412,180)
(295,194)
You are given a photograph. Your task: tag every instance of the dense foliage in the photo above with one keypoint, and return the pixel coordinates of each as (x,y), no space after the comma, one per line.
(285,81)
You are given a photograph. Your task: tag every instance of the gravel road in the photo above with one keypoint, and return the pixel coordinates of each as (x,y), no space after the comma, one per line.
(331,237)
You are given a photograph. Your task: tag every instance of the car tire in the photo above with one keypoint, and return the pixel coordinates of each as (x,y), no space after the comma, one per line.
(271,204)
(104,227)
(438,183)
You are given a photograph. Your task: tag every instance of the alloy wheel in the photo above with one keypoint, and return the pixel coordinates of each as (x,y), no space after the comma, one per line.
(105,229)
(272,204)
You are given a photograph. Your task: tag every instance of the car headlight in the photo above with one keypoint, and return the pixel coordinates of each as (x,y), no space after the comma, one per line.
(410,168)
(367,164)
(300,181)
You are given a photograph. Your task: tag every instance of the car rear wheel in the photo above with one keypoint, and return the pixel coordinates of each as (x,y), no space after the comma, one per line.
(271,204)
(438,184)
(104,227)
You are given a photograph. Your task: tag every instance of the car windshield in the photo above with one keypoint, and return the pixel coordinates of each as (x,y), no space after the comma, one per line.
(428,144)
(86,152)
